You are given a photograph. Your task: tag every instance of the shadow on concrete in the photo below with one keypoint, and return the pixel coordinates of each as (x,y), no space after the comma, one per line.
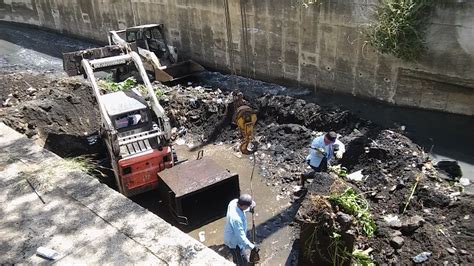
(81,219)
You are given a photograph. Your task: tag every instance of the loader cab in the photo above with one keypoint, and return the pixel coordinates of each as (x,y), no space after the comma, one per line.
(151,37)
(128,112)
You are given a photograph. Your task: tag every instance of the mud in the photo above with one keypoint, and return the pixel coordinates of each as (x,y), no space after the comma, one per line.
(390,163)
(64,112)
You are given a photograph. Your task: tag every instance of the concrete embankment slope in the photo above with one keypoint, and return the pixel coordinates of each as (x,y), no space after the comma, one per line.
(82,219)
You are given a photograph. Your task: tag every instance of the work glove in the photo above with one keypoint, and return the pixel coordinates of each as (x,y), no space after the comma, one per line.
(256,247)
(339,154)
(252,209)
(321,151)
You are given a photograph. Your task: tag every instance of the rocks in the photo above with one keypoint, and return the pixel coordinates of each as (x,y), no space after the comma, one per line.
(45,106)
(451,251)
(31,132)
(411,224)
(463,252)
(31,91)
(345,220)
(397,242)
(393,221)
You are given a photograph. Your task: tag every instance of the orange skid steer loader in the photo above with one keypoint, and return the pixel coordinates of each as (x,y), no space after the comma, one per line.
(137,134)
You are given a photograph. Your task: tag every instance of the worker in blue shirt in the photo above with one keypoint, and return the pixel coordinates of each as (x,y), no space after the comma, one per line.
(235,229)
(322,149)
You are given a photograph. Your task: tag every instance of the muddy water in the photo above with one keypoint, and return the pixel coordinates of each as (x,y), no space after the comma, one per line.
(274,212)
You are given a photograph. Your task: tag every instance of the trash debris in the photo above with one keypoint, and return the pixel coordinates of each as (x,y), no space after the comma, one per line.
(464,181)
(422,257)
(180,141)
(91,140)
(356,176)
(47,253)
(202,236)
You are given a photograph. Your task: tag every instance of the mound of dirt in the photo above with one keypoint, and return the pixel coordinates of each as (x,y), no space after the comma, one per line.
(59,112)
(390,163)
(436,218)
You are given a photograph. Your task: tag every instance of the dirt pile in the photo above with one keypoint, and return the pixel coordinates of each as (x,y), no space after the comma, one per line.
(61,112)
(414,207)
(435,216)
(329,225)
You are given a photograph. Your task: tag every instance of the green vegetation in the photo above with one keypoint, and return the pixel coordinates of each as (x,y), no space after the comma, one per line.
(111,86)
(338,170)
(360,257)
(356,205)
(400,28)
(340,253)
(129,83)
(84,164)
(307,3)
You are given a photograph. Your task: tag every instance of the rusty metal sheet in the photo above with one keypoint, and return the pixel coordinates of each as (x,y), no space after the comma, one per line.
(193,176)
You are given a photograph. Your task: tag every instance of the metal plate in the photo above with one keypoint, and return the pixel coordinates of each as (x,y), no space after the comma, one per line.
(193,176)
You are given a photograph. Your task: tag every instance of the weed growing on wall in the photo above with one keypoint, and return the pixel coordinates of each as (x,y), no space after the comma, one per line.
(400,28)
(307,3)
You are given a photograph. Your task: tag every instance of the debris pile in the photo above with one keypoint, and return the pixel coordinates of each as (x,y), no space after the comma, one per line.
(418,207)
(60,112)
(398,179)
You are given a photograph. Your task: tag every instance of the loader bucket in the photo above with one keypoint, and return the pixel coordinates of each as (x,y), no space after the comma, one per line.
(198,192)
(178,71)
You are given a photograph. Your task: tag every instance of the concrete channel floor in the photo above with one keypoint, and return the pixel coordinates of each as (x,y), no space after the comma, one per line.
(85,221)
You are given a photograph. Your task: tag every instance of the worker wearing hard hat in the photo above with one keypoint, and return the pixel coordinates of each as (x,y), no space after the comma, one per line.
(235,229)
(322,149)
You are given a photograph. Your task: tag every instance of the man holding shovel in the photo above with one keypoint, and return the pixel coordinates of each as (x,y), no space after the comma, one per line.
(235,229)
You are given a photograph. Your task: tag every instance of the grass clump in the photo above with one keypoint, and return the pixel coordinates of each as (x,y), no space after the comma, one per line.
(111,86)
(356,205)
(400,28)
(361,258)
(84,164)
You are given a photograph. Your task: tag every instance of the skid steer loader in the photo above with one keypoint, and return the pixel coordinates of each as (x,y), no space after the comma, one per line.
(137,134)
(160,59)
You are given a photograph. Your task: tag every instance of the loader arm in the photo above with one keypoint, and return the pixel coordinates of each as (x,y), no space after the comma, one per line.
(97,59)
(166,67)
(155,105)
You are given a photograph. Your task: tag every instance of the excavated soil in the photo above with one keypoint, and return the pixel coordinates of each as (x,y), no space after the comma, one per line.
(63,114)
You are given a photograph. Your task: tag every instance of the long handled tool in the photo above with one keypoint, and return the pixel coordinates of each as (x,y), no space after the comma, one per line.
(254,253)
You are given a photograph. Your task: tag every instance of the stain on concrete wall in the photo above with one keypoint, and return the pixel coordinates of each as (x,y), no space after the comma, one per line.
(321,47)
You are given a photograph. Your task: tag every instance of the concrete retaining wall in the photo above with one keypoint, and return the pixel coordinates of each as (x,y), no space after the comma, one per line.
(321,46)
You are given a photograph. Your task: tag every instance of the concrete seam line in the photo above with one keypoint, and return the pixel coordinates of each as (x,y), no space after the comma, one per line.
(107,222)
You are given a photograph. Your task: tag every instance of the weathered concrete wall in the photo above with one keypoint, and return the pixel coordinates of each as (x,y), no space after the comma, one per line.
(322,46)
